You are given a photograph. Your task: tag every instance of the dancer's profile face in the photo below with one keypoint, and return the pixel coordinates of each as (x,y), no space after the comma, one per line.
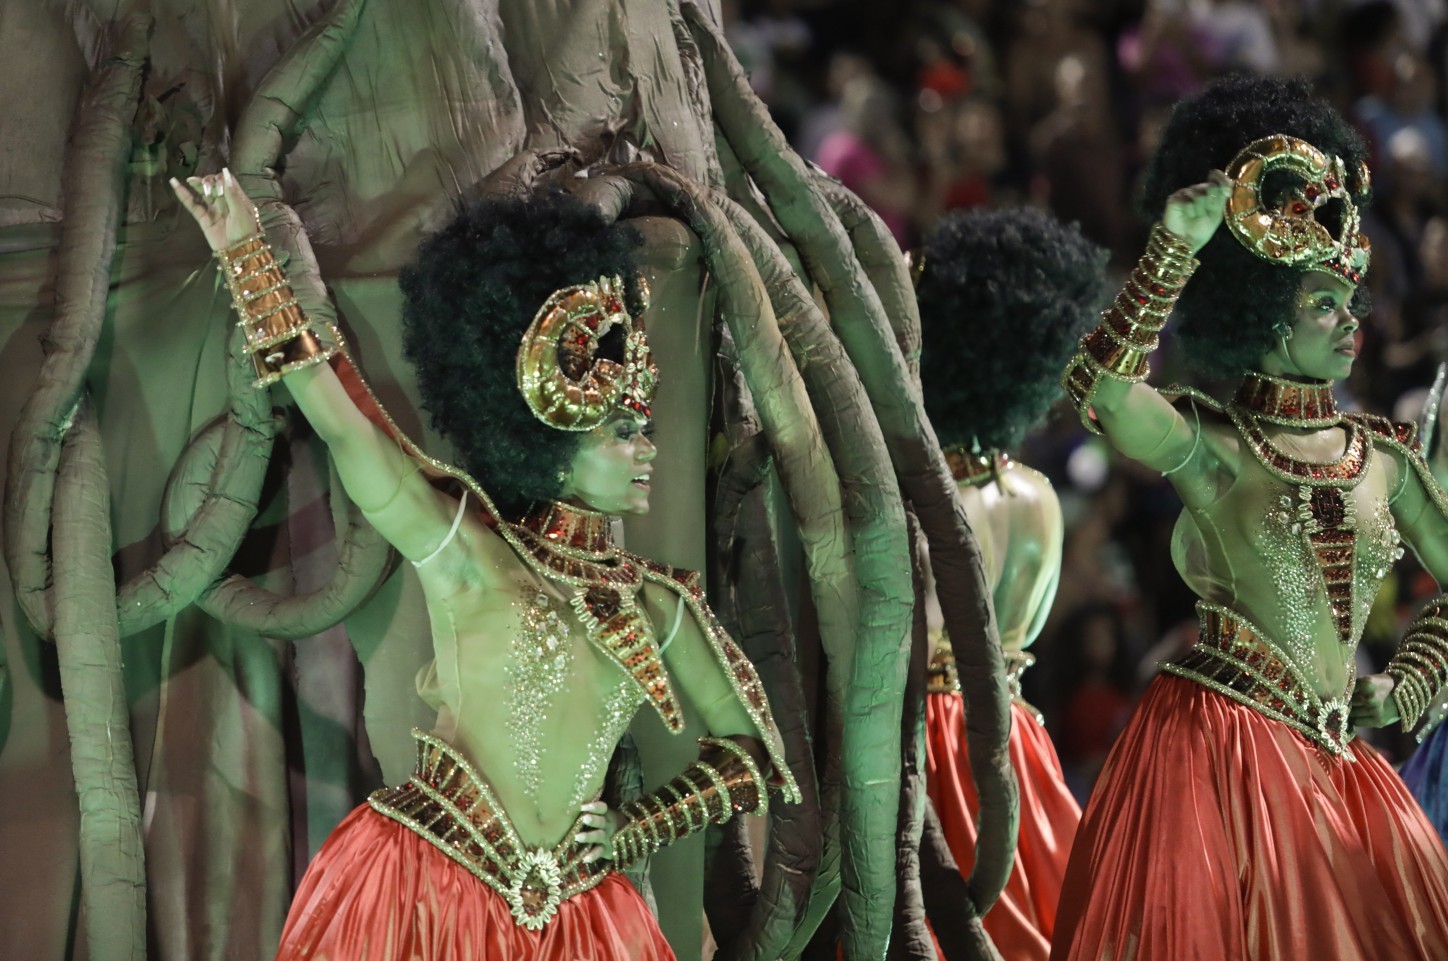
(613,467)
(1322,344)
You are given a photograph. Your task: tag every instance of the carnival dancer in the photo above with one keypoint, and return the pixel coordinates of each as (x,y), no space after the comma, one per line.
(1004,297)
(548,637)
(1237,816)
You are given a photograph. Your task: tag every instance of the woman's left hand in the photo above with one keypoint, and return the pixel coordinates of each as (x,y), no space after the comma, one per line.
(1372,702)
(602,823)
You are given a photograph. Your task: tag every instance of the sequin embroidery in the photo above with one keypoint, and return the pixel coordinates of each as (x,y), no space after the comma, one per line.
(618,712)
(538,669)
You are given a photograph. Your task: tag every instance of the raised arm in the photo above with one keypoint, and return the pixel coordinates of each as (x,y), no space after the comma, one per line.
(1107,378)
(378,475)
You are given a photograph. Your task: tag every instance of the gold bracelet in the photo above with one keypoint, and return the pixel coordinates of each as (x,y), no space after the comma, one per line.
(724,780)
(1419,668)
(1129,330)
(278,336)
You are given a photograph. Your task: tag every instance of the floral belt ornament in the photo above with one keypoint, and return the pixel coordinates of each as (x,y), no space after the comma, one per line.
(448,804)
(1236,660)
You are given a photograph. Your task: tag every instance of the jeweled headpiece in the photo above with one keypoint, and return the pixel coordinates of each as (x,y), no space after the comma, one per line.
(563,380)
(1289,231)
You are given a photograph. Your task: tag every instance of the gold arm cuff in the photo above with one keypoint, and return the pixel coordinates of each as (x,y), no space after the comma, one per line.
(1419,668)
(1118,348)
(723,780)
(279,337)
(303,350)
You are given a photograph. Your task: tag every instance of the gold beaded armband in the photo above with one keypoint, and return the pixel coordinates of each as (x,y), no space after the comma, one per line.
(1129,328)
(1419,669)
(723,780)
(279,337)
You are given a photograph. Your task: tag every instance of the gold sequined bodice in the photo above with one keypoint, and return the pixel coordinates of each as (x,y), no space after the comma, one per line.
(1301,555)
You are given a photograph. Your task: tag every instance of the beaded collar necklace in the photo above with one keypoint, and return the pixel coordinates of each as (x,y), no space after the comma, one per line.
(1291,403)
(574,532)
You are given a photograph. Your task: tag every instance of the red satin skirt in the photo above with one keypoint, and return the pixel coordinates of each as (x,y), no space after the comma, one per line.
(1021,922)
(1215,832)
(379,892)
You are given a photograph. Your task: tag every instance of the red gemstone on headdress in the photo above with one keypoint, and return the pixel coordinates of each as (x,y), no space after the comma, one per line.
(1333,183)
(1300,209)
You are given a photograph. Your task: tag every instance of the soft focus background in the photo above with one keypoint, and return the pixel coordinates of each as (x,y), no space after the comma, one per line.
(926,106)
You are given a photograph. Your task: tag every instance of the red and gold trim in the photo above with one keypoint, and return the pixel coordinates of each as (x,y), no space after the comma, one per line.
(573,532)
(449,804)
(973,470)
(278,336)
(1291,403)
(943,677)
(1235,659)
(722,782)
(1118,348)
(1419,668)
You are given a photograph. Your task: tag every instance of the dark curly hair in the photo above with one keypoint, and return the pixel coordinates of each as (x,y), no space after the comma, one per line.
(1004,297)
(1226,314)
(475,287)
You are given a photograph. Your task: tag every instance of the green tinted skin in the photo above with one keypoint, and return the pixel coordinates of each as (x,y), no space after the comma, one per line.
(1227,494)
(479,592)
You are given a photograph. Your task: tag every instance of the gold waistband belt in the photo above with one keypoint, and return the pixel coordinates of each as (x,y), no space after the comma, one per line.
(1235,659)
(450,805)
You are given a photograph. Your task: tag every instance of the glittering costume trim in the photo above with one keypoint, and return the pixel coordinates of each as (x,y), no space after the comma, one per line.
(1281,400)
(737,668)
(448,804)
(722,782)
(279,338)
(1129,330)
(1235,659)
(1419,667)
(574,532)
(943,677)
(605,596)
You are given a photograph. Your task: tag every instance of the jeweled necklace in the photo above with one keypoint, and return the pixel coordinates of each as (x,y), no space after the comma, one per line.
(1327,515)
(574,546)
(1292,403)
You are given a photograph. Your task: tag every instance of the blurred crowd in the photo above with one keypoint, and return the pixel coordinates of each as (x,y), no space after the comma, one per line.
(927,106)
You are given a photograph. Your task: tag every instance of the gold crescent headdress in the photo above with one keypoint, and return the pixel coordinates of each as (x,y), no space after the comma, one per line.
(1289,232)
(563,380)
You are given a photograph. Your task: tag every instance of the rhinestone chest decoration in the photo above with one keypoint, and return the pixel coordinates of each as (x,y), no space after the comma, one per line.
(619,709)
(540,664)
(572,547)
(1324,511)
